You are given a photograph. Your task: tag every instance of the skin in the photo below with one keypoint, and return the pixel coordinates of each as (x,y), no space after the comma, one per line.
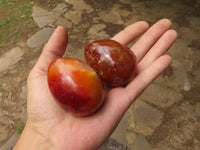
(49,127)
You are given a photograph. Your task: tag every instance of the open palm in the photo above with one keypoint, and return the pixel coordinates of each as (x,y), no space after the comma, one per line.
(65,131)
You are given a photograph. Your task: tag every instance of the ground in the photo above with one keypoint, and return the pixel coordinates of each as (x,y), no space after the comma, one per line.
(165,116)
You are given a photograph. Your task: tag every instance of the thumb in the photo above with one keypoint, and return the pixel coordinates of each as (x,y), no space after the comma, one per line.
(55,48)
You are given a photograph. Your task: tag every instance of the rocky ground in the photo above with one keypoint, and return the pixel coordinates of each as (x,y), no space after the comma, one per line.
(165,117)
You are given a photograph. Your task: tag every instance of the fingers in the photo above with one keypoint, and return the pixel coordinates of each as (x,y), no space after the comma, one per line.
(53,49)
(149,38)
(144,78)
(131,32)
(160,48)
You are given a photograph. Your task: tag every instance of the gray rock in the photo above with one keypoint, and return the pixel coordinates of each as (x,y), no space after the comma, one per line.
(73,16)
(42,17)
(63,22)
(10,58)
(161,95)
(141,144)
(60,8)
(39,38)
(110,17)
(146,118)
(11,142)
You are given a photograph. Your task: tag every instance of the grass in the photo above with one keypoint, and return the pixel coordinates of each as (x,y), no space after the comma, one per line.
(19,128)
(18,16)
(17,22)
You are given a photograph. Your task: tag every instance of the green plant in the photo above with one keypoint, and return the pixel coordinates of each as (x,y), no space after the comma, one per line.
(19,128)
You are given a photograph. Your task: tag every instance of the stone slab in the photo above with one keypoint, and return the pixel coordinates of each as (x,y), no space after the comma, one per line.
(42,17)
(60,8)
(144,118)
(41,37)
(72,16)
(10,58)
(63,22)
(162,96)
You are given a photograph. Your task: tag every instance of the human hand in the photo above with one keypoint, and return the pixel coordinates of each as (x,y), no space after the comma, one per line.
(50,127)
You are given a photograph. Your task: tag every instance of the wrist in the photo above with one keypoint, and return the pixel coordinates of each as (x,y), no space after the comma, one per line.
(31,139)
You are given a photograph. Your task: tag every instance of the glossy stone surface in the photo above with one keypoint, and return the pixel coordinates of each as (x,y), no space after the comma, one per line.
(75,85)
(115,63)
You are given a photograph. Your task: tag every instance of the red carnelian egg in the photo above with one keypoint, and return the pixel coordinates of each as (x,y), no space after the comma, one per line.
(75,86)
(116,64)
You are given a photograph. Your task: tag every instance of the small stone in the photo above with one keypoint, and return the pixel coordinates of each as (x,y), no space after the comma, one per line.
(10,58)
(11,142)
(72,16)
(186,85)
(42,17)
(60,8)
(63,22)
(109,17)
(141,144)
(23,94)
(161,95)
(41,37)
(96,19)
